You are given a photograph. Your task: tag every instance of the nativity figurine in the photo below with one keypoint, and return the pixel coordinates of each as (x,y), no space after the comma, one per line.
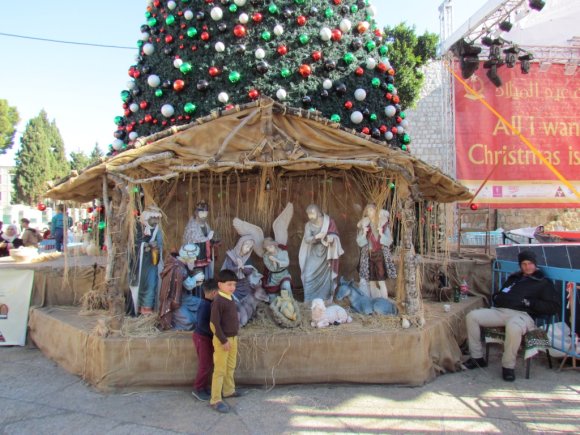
(199,232)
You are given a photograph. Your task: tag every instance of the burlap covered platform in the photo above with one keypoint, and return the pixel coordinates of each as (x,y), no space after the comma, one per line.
(345,353)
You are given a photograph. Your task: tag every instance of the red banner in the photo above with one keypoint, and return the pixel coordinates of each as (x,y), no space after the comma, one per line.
(542,106)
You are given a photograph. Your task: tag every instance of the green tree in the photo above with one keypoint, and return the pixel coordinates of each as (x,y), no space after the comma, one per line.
(95,155)
(408,53)
(59,165)
(199,56)
(8,119)
(30,173)
(79,160)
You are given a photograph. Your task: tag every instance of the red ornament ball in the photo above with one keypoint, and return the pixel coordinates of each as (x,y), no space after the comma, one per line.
(305,70)
(148,118)
(348,105)
(257,17)
(383,129)
(316,56)
(359,71)
(301,20)
(143,105)
(168,39)
(389,96)
(394,130)
(336,35)
(399,119)
(178,85)
(41,206)
(204,36)
(366,130)
(337,2)
(229,106)
(282,50)
(396,99)
(382,67)
(253,94)
(239,31)
(214,71)
(473,206)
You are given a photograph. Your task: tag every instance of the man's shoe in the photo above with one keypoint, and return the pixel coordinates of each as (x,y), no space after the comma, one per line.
(201,395)
(237,393)
(474,363)
(221,407)
(508,374)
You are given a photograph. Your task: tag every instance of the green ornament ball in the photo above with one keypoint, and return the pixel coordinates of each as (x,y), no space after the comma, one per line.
(383,50)
(189,107)
(170,20)
(152,22)
(391,186)
(406,139)
(118,120)
(147,14)
(376,82)
(403,115)
(390,87)
(353,9)
(185,67)
(299,2)
(371,45)
(125,96)
(140,44)
(373,117)
(233,8)
(404,147)
(158,93)
(192,32)
(135,189)
(234,77)
(328,13)
(102,225)
(349,58)
(266,36)
(335,118)
(273,9)
(304,38)
(285,72)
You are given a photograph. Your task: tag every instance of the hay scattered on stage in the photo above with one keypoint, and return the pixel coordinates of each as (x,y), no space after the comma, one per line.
(93,301)
(141,327)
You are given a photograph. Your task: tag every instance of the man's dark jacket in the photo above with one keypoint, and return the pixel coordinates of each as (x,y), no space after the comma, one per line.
(536,288)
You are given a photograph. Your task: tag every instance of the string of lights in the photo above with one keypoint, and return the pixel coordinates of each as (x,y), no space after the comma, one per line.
(59,41)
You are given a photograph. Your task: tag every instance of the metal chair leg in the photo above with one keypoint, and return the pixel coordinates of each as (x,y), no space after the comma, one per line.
(528,361)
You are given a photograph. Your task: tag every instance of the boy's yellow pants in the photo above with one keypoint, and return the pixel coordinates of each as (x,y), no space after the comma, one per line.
(224,365)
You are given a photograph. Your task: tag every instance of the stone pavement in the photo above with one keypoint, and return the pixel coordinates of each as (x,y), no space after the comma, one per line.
(37,396)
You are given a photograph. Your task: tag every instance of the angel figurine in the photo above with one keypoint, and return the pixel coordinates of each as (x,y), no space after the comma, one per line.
(374,238)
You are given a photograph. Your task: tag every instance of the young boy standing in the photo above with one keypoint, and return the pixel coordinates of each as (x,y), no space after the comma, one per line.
(202,338)
(224,324)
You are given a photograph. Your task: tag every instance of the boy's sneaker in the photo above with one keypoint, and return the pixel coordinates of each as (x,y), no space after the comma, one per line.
(474,363)
(221,407)
(201,395)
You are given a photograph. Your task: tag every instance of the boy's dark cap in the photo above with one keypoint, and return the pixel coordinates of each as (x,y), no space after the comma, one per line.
(527,256)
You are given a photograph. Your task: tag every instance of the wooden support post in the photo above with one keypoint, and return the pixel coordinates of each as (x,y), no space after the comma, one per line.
(116,269)
(413,301)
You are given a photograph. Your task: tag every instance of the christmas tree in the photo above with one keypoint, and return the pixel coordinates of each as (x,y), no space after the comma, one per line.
(198,56)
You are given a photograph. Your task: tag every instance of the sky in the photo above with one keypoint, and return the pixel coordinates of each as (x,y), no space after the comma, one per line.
(79,86)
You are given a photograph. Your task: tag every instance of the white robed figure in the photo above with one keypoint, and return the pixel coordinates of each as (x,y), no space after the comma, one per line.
(319,255)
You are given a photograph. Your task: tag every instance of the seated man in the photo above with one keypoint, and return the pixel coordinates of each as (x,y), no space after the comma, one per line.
(525,294)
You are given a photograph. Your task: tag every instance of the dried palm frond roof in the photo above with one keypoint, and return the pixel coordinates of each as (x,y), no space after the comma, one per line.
(260,134)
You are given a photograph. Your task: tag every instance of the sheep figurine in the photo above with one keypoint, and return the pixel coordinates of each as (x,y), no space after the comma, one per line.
(361,303)
(323,316)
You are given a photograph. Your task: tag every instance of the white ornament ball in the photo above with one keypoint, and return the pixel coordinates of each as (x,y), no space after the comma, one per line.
(153,80)
(325,34)
(356,117)
(133,107)
(167,110)
(371,11)
(345,25)
(405,123)
(260,53)
(360,94)
(390,110)
(131,84)
(223,97)
(145,36)
(389,135)
(220,47)
(371,63)
(117,144)
(327,84)
(243,18)
(400,129)
(281,94)
(188,15)
(148,49)
(133,135)
(406,324)
(395,91)
(177,63)
(171,5)
(216,14)
(240,2)
(278,30)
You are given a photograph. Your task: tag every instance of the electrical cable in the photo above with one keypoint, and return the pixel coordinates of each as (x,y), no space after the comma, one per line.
(58,41)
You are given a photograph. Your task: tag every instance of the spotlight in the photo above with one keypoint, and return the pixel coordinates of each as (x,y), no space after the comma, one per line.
(493,77)
(537,5)
(487,41)
(510,57)
(525,63)
(468,57)
(505,26)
